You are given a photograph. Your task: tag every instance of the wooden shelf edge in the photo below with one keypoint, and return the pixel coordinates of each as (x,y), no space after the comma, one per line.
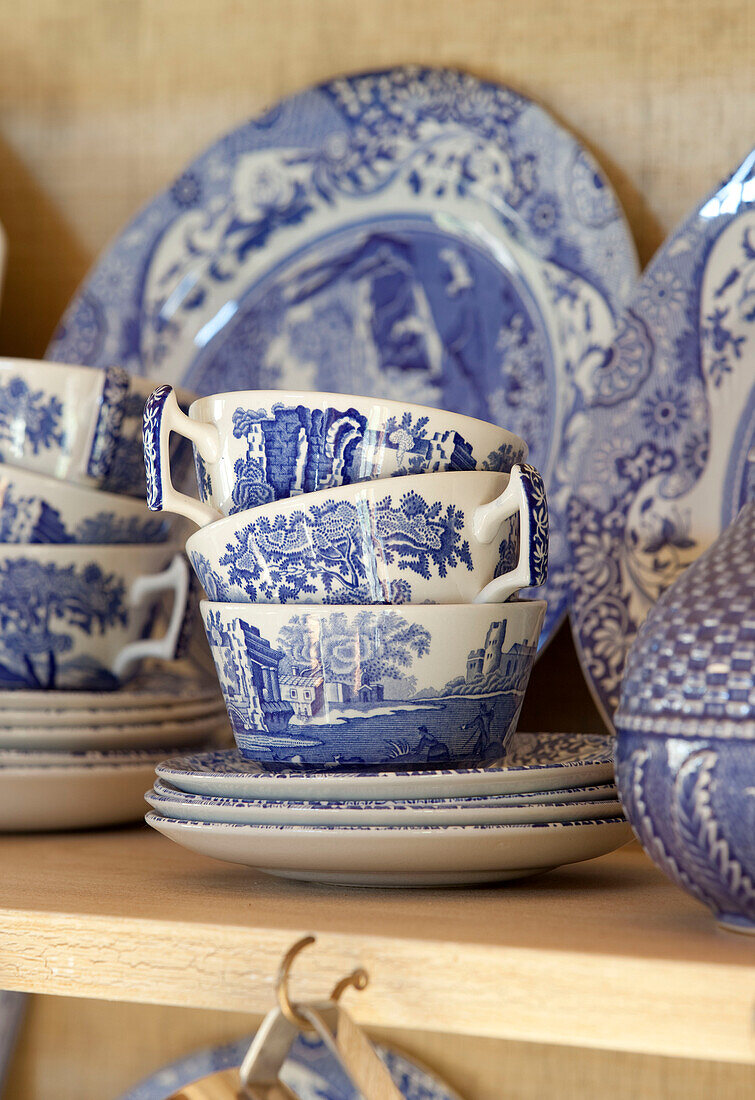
(653,1006)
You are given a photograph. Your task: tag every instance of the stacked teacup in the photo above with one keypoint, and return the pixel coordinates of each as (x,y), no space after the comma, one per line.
(362,560)
(85,570)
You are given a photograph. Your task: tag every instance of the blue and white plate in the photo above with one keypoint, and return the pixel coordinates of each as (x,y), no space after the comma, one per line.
(400,855)
(440,239)
(310,1070)
(470,811)
(534,762)
(665,437)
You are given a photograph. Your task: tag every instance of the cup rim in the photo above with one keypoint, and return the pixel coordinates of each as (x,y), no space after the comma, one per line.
(286,505)
(357,401)
(383,608)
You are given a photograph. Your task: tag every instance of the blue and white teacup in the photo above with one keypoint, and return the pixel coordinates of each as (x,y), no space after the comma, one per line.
(80,617)
(363,687)
(79,424)
(258,446)
(439,538)
(35,509)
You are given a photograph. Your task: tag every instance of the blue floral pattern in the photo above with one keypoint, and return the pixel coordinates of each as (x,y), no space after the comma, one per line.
(30,519)
(650,497)
(41,416)
(345,552)
(271,262)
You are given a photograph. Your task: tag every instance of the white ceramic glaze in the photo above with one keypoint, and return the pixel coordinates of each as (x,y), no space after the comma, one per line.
(194,807)
(535,762)
(127,716)
(256,446)
(353,687)
(76,616)
(157,684)
(75,423)
(436,538)
(396,855)
(36,508)
(166,734)
(42,797)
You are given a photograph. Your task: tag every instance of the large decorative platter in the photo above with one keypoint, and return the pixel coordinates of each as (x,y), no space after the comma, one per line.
(311,1070)
(665,438)
(414,234)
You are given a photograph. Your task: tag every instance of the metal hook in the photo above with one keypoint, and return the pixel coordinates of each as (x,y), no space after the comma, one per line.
(357,980)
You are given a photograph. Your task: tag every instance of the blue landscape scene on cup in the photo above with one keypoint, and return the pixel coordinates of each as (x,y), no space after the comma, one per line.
(341,690)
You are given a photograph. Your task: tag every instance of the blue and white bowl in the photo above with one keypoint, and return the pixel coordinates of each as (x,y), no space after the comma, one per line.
(78,424)
(258,446)
(35,508)
(439,538)
(352,687)
(686,729)
(80,617)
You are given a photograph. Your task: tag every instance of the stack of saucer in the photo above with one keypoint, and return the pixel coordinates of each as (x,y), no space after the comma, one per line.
(362,560)
(552,801)
(84,567)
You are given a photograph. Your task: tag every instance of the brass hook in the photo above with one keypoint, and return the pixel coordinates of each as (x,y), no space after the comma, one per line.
(357,980)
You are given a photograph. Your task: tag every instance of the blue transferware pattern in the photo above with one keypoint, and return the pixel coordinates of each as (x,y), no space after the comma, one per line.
(300,450)
(335,544)
(691,803)
(368,551)
(438,237)
(39,603)
(30,519)
(343,690)
(605,792)
(534,762)
(290,449)
(40,413)
(153,411)
(665,435)
(310,1070)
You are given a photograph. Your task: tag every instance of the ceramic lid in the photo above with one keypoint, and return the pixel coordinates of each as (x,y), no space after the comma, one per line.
(691,669)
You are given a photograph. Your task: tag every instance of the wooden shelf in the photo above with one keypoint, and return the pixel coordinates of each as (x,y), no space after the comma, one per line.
(604,954)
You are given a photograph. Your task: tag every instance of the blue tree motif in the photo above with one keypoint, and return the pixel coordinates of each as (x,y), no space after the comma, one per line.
(40,416)
(362,650)
(37,597)
(338,545)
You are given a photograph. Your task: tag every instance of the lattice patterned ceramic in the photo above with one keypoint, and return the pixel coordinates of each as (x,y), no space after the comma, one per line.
(685,760)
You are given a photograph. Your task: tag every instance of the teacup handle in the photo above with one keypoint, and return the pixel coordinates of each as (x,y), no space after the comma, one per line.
(525,494)
(162,415)
(174,579)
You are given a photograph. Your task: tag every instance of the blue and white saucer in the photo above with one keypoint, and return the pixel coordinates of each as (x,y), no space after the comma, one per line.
(441,239)
(500,810)
(665,437)
(400,855)
(535,762)
(310,1070)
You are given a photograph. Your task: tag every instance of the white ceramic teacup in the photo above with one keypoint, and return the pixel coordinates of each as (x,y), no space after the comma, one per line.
(35,508)
(438,538)
(80,616)
(75,423)
(352,687)
(258,446)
